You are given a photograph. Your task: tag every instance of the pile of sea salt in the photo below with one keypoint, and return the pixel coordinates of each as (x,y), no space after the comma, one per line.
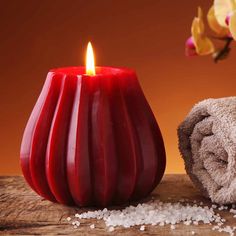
(157,213)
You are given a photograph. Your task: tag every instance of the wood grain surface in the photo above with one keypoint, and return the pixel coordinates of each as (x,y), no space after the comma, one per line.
(23,212)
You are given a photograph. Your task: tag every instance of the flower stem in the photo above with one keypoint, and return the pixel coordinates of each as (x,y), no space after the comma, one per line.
(224,52)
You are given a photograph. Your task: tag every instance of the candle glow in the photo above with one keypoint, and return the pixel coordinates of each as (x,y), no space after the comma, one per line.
(90,66)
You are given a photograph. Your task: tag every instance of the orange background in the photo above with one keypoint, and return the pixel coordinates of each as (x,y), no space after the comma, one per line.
(147,35)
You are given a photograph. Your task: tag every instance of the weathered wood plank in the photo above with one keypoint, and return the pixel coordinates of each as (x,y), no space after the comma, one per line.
(23,212)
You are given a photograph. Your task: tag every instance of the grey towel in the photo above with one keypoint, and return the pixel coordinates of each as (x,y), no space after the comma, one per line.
(207,142)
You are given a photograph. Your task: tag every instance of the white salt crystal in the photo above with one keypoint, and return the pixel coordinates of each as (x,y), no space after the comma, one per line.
(68,218)
(187,222)
(76,223)
(172,227)
(92,226)
(192,232)
(221,208)
(215,227)
(142,228)
(232,211)
(110,229)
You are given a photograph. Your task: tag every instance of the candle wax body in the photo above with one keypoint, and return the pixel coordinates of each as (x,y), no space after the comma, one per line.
(92,140)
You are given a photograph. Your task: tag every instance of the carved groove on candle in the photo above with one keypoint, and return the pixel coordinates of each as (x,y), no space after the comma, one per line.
(126,150)
(103,144)
(136,141)
(134,101)
(27,137)
(134,115)
(56,157)
(78,157)
(155,138)
(40,137)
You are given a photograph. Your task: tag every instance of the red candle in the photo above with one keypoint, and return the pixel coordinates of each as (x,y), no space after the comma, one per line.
(92,138)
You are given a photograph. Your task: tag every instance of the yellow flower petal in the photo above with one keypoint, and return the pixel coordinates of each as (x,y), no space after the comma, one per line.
(203,44)
(198,25)
(222,8)
(232,25)
(214,25)
(200,18)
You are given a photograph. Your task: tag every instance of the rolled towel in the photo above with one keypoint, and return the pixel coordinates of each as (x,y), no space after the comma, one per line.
(207,142)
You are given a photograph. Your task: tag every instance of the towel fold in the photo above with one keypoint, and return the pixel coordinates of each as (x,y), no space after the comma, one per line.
(207,142)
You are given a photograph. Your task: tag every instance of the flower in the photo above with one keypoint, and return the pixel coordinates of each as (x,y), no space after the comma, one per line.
(225,15)
(198,43)
(220,30)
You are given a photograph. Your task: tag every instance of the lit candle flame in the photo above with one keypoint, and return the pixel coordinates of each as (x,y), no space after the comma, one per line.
(90,66)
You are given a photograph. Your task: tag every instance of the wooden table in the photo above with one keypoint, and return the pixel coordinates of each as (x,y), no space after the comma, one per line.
(23,212)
